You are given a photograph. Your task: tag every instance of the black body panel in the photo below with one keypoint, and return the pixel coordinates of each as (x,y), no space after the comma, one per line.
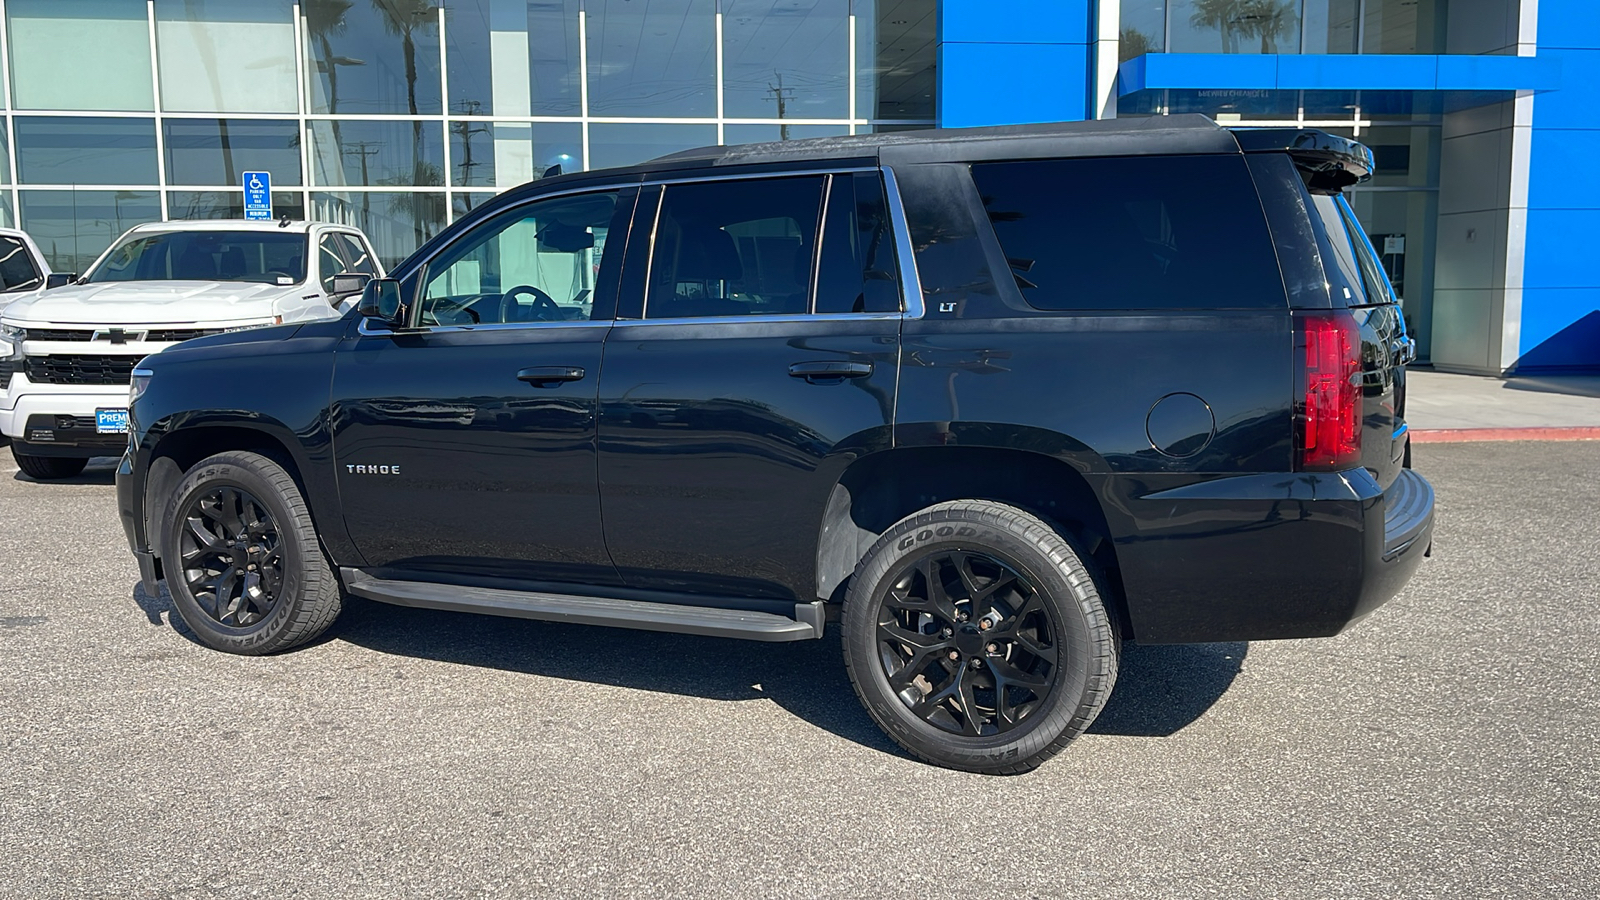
(746,463)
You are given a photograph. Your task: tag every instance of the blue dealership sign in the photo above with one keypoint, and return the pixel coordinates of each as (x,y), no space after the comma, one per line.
(258,195)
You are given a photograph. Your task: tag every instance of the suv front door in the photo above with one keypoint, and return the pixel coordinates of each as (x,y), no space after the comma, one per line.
(466,444)
(740,381)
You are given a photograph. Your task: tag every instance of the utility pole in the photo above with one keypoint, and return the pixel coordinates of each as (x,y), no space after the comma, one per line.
(467,130)
(364,149)
(784,96)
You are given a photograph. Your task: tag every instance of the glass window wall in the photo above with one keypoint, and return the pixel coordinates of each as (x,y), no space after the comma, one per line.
(80,55)
(226,56)
(514,58)
(380,56)
(896,58)
(396,223)
(624,145)
(216,152)
(74,227)
(376,153)
(654,60)
(229,204)
(786,60)
(58,150)
(491,154)
(1281,26)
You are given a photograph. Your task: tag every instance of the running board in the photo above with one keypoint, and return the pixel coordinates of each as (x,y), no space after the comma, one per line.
(644,615)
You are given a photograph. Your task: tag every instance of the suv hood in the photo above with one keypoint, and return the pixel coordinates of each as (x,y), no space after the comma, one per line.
(150,302)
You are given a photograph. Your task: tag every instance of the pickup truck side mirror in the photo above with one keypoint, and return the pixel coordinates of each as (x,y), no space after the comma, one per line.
(380,301)
(59,279)
(347,283)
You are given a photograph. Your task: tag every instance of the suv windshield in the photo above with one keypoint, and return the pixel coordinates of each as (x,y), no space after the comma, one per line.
(258,256)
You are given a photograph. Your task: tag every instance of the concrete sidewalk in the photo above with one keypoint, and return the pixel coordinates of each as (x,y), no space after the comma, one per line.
(1437,401)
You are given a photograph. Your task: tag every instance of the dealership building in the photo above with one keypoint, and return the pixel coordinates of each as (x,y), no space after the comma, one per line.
(401,115)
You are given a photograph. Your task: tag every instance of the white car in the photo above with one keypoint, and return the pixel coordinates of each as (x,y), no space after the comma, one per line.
(67,354)
(23,269)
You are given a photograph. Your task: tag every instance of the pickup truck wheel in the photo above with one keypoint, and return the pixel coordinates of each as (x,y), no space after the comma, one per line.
(976,637)
(242,559)
(48,468)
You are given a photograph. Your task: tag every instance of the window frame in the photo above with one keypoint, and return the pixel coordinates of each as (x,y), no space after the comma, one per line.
(418,279)
(910,307)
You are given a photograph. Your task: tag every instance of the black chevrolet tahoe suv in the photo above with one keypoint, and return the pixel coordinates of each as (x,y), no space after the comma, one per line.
(995,400)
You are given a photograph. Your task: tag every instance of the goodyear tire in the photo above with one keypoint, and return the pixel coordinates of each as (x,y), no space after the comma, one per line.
(242,559)
(977,639)
(49,468)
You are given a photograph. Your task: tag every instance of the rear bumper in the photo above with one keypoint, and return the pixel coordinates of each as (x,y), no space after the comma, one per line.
(1261,557)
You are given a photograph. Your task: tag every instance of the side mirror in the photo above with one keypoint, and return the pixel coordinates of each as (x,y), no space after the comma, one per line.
(380,300)
(59,279)
(346,283)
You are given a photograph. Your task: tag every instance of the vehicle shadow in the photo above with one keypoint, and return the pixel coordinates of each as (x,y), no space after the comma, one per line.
(101,471)
(1162,688)
(1159,691)
(1572,385)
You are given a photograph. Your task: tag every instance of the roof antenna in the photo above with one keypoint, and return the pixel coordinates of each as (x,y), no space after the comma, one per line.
(284,222)
(552,172)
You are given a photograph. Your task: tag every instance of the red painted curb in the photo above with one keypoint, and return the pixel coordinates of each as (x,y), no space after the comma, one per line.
(1463,435)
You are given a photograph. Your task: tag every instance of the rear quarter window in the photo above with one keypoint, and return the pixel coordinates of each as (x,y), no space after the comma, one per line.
(1132,233)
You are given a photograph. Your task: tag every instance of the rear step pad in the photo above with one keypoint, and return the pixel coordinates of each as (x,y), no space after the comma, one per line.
(644,615)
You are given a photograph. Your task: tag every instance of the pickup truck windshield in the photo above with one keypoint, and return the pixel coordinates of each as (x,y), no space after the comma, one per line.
(255,256)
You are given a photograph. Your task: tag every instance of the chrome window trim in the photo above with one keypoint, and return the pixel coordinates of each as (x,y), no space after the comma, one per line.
(492,326)
(910,284)
(758,319)
(735,176)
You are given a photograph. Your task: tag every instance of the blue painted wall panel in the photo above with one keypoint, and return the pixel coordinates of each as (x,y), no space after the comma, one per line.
(1559,252)
(1008,84)
(1567,24)
(1016,21)
(1560,328)
(1373,72)
(1567,176)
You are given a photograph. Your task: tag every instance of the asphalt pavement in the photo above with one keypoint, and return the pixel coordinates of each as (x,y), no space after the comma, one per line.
(1445,747)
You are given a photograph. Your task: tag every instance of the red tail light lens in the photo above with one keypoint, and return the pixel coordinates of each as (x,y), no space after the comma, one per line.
(1328,348)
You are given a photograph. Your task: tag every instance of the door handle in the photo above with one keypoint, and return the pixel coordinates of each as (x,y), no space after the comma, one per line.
(549,376)
(831,371)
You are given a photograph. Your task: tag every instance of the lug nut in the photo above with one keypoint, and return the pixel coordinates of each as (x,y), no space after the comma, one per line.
(994,648)
(954,655)
(977,663)
(983,624)
(946,632)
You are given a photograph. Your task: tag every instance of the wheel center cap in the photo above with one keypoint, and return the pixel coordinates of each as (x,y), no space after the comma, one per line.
(969,640)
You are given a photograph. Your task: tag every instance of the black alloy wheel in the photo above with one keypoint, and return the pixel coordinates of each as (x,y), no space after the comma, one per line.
(232,556)
(243,562)
(966,642)
(975,635)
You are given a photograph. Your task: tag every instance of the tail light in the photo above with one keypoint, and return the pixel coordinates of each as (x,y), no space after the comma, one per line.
(1328,351)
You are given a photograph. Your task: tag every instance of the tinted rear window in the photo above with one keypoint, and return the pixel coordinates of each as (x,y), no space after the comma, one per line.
(1133,233)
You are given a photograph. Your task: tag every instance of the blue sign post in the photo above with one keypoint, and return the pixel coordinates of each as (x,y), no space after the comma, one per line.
(258,195)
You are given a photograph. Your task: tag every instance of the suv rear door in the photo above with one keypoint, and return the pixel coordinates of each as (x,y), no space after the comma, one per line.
(739,383)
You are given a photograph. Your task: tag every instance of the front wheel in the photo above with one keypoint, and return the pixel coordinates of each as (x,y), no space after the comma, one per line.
(242,559)
(977,639)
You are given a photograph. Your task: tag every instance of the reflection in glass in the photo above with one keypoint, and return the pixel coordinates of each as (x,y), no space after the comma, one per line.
(397,224)
(461,204)
(49,72)
(1235,26)
(226,55)
(896,58)
(5,157)
(757,134)
(1330,26)
(73,227)
(624,145)
(508,154)
(187,205)
(508,44)
(376,153)
(786,60)
(1403,26)
(217,151)
(1143,28)
(86,151)
(652,59)
(379,56)
(8,218)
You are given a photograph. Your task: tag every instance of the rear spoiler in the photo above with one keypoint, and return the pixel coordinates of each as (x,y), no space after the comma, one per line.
(1328,162)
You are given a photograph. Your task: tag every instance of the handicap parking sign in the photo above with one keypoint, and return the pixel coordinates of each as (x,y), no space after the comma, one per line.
(258,195)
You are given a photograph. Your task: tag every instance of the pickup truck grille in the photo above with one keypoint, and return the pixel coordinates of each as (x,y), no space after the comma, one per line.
(6,368)
(80,369)
(180,334)
(58,334)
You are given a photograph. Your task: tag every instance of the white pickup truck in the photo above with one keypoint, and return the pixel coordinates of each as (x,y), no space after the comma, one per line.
(23,269)
(67,354)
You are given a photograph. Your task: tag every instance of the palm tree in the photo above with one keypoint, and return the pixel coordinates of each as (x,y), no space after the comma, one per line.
(402,18)
(1235,19)
(324,21)
(1132,43)
(1218,14)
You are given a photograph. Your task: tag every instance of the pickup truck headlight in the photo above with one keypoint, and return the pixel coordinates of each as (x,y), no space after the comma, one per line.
(12,334)
(139,384)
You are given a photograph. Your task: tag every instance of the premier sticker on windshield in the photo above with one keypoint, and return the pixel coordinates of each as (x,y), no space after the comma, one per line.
(284,279)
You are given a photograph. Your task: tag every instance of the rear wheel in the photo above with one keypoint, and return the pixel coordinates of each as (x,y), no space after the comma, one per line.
(976,637)
(242,559)
(49,468)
